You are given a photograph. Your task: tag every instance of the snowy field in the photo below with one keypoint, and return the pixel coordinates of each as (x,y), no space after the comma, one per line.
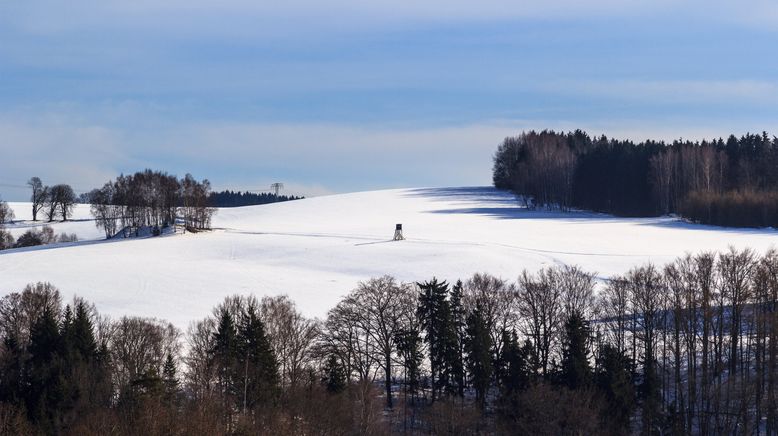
(81,223)
(317,249)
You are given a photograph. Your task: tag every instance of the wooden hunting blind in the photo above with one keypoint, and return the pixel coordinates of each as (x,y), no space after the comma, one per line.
(398,232)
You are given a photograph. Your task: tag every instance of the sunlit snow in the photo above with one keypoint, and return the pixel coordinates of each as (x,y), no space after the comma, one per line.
(317,249)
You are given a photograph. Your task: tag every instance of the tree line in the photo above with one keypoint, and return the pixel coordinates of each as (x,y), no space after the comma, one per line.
(229,198)
(691,347)
(731,182)
(151,200)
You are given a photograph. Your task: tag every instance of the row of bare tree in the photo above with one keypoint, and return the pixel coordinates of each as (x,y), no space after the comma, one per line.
(700,334)
(709,323)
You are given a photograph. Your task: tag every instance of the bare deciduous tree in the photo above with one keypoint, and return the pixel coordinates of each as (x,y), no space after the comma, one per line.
(291,334)
(541,307)
(497,301)
(60,201)
(20,310)
(615,310)
(6,213)
(38,197)
(139,347)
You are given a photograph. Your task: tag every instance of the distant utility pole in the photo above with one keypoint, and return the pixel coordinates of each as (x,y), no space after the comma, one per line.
(276,187)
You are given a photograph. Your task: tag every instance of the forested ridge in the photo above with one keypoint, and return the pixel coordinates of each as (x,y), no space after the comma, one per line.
(690,347)
(732,182)
(229,198)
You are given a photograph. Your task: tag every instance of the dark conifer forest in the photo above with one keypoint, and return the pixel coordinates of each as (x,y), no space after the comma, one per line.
(687,348)
(732,182)
(229,198)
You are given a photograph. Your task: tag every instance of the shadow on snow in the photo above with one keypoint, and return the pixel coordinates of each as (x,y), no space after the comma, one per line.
(500,204)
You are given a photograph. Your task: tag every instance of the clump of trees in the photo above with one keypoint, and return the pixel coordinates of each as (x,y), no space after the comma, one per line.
(151,199)
(44,236)
(55,201)
(723,182)
(686,348)
(60,202)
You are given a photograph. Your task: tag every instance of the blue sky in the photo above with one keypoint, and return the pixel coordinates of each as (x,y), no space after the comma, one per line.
(349,95)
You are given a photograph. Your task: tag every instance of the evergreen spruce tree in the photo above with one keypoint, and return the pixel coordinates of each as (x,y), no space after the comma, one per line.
(615,379)
(170,380)
(259,376)
(479,355)
(44,390)
(82,334)
(102,389)
(66,327)
(225,343)
(456,343)
(144,386)
(334,379)
(514,371)
(12,387)
(513,364)
(575,369)
(433,313)
(650,394)
(409,347)
(81,377)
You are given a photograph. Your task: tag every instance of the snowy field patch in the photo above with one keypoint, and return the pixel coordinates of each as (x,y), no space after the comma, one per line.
(317,249)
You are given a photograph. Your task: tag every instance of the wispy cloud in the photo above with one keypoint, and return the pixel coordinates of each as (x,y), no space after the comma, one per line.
(672,91)
(346,94)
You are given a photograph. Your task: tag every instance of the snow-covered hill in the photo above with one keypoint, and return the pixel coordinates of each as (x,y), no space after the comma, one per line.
(317,249)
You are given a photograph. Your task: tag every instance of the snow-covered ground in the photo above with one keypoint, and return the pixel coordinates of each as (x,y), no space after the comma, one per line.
(317,249)
(81,223)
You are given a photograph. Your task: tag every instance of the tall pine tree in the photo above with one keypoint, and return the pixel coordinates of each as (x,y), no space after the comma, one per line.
(575,371)
(433,313)
(479,354)
(334,375)
(409,347)
(455,334)
(258,362)
(513,373)
(615,379)
(224,352)
(44,387)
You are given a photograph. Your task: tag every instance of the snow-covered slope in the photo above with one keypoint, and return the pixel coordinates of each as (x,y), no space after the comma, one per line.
(316,250)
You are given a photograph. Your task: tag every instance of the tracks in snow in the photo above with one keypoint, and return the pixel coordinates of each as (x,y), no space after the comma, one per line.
(374,241)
